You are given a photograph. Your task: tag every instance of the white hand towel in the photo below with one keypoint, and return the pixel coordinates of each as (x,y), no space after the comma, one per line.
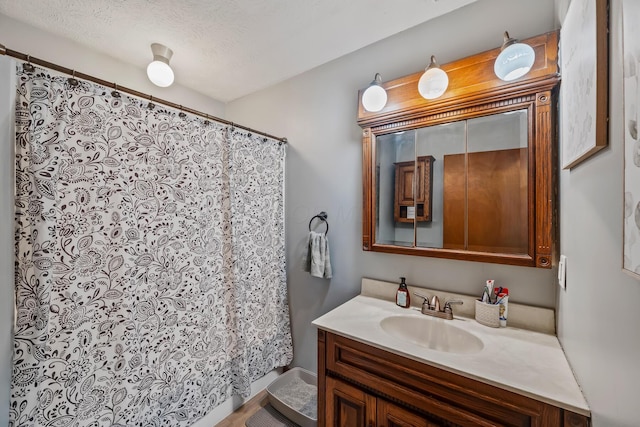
(317,260)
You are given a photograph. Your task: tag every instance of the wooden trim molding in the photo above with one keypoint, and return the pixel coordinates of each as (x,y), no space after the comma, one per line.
(367,196)
(544,188)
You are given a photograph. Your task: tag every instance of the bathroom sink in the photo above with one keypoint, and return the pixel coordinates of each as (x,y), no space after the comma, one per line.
(435,334)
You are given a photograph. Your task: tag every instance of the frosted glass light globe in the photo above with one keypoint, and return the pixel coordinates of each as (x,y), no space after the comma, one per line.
(160,73)
(433,83)
(374,98)
(514,61)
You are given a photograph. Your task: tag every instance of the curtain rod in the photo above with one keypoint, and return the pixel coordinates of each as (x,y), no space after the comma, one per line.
(30,59)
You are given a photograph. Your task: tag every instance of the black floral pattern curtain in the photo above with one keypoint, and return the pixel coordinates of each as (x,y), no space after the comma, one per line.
(150,272)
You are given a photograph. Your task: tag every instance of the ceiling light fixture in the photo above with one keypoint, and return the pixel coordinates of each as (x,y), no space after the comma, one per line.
(515,59)
(159,71)
(434,81)
(374,97)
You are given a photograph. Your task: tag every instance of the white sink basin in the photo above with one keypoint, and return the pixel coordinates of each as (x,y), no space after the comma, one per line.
(432,333)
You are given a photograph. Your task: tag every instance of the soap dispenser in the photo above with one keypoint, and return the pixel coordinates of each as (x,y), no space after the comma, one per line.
(402,296)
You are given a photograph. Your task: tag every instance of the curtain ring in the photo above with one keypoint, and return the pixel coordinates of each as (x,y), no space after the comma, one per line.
(72,80)
(182,114)
(28,67)
(151,105)
(115,92)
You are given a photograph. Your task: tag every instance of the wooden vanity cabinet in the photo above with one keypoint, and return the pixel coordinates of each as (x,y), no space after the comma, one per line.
(363,386)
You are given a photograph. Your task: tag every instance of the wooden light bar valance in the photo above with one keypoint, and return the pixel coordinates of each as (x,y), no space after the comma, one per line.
(470,79)
(76,74)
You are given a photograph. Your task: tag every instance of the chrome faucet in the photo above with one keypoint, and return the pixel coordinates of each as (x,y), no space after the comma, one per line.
(433,308)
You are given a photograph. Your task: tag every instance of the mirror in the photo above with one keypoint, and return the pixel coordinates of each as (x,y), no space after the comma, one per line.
(470,191)
(470,175)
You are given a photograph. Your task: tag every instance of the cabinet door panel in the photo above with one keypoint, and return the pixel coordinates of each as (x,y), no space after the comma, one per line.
(497,197)
(390,415)
(405,179)
(348,406)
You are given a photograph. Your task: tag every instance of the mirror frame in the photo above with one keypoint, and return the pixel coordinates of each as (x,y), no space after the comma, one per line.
(475,91)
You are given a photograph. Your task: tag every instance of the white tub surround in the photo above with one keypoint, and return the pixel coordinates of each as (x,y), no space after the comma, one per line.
(525,362)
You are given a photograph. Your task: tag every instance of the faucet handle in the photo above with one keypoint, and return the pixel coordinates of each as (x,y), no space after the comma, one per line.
(449,303)
(422,296)
(426,300)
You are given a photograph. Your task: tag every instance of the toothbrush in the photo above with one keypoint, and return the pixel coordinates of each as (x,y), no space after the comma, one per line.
(497,291)
(485,296)
(489,288)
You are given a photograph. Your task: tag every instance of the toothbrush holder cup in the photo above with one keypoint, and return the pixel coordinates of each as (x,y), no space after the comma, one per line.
(488,314)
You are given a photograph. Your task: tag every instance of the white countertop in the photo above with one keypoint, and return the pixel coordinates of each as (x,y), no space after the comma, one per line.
(525,362)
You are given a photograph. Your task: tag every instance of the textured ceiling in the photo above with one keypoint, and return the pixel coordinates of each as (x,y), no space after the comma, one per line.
(228,48)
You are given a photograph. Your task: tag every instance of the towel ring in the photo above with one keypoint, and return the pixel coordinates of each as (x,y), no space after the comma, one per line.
(322,216)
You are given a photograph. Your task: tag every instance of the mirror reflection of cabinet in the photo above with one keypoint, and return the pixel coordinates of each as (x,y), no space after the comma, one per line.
(496,202)
(492,169)
(410,205)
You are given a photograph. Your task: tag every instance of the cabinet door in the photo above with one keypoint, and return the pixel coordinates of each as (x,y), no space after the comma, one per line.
(492,200)
(347,406)
(390,415)
(404,195)
(404,183)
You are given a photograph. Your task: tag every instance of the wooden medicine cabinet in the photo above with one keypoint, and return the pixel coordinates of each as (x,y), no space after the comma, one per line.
(413,204)
(470,175)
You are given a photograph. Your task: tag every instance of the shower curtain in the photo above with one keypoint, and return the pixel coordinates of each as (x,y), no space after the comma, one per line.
(150,264)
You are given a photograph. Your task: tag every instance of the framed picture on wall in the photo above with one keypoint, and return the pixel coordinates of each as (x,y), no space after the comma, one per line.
(585,80)
(631,83)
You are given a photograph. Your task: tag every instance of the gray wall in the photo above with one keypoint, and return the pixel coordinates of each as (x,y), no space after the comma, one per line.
(317,112)
(598,314)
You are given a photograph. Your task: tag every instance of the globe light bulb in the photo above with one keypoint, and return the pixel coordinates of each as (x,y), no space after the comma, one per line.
(159,71)
(434,82)
(374,97)
(515,60)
